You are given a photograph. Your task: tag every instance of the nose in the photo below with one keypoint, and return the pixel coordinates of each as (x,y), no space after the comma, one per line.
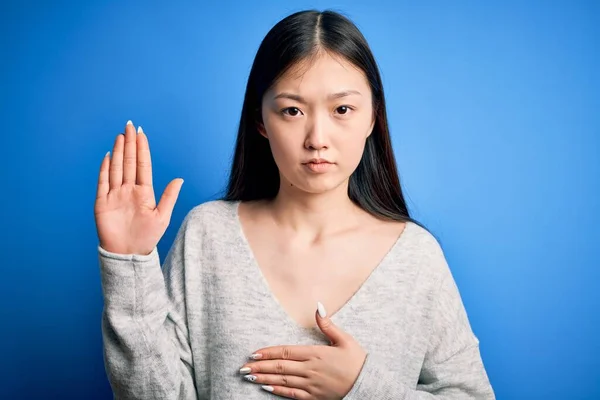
(316,136)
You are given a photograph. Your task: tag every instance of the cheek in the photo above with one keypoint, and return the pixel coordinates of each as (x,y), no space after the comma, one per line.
(352,154)
(281,150)
(351,145)
(283,142)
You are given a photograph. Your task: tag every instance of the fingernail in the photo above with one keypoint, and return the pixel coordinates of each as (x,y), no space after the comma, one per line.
(256,356)
(245,370)
(106,155)
(250,378)
(321,310)
(129,122)
(267,388)
(140,130)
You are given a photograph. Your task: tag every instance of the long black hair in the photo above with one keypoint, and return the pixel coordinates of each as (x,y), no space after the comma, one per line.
(374,185)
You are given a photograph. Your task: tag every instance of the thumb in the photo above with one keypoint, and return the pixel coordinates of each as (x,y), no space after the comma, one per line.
(168,198)
(335,334)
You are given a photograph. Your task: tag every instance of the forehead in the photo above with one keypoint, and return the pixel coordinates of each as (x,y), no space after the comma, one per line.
(322,73)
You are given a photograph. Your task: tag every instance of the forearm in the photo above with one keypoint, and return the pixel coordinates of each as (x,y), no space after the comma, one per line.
(146,354)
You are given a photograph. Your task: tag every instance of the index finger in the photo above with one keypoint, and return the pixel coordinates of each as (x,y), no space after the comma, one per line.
(144,162)
(295,353)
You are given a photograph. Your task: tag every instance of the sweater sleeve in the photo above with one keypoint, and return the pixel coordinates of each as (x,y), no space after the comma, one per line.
(452,368)
(147,353)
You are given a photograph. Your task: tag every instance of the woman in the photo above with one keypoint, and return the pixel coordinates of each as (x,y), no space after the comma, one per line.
(314,219)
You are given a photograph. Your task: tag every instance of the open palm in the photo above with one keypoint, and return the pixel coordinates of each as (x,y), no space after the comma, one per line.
(128,221)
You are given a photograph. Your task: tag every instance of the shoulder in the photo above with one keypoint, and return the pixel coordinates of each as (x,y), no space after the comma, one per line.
(213,215)
(423,240)
(420,248)
(213,209)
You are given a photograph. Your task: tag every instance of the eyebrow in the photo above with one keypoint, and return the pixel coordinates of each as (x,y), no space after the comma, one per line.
(300,99)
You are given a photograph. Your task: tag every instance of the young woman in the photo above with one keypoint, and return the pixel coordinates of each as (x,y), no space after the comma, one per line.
(309,280)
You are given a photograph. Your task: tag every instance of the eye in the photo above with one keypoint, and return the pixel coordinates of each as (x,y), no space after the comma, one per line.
(343,110)
(291,111)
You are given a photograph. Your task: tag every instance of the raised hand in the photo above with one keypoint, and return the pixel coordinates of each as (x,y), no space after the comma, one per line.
(128,221)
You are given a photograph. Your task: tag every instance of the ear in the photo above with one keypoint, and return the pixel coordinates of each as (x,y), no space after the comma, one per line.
(370,131)
(261,129)
(260,126)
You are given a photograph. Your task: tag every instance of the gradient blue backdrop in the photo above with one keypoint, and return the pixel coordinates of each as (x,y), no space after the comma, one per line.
(494,112)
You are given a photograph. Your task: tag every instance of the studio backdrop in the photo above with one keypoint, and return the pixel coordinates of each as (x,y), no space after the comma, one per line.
(494,115)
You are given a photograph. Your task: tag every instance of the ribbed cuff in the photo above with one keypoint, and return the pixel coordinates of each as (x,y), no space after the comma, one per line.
(126,278)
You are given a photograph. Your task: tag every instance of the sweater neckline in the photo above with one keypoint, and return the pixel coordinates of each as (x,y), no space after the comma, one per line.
(346,307)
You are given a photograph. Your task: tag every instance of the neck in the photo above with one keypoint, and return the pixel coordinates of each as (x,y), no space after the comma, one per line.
(314,215)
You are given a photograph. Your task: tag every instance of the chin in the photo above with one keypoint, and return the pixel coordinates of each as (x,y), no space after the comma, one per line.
(319,186)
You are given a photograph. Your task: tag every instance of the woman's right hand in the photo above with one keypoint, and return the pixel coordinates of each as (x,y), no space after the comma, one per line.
(128,221)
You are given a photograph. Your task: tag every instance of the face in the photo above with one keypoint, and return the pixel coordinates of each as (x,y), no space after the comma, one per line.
(320,111)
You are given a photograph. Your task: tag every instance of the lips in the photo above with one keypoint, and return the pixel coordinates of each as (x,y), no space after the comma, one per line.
(318,165)
(318,161)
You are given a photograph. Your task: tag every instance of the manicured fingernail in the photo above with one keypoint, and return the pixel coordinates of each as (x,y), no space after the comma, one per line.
(267,388)
(245,370)
(250,378)
(129,122)
(106,155)
(321,310)
(256,356)
(140,130)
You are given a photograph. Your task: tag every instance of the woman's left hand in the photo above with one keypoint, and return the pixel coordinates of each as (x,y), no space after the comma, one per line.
(309,372)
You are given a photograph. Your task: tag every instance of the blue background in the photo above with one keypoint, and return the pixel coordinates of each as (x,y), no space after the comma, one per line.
(494,112)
